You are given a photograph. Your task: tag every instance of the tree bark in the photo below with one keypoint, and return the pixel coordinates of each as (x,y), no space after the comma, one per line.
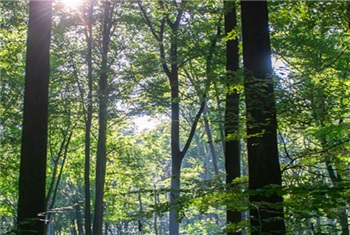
(32,179)
(232,142)
(263,161)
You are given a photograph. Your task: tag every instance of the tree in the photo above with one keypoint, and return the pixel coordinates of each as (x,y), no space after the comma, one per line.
(101,157)
(266,213)
(32,183)
(171,66)
(232,143)
(88,120)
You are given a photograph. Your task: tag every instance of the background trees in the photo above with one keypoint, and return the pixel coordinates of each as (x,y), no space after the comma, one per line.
(310,40)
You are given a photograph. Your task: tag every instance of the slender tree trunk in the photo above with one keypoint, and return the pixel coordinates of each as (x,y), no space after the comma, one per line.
(344,221)
(101,157)
(140,225)
(50,204)
(172,73)
(53,183)
(73,229)
(210,141)
(263,162)
(335,176)
(232,142)
(88,122)
(32,179)
(176,156)
(337,179)
(175,145)
(220,116)
(78,217)
(208,174)
(55,168)
(155,219)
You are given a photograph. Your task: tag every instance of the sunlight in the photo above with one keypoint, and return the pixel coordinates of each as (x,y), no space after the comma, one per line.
(72,4)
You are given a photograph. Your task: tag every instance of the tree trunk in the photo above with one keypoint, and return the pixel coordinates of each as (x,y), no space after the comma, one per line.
(50,204)
(78,217)
(172,73)
(263,161)
(175,194)
(207,175)
(176,155)
(232,142)
(140,225)
(210,141)
(32,179)
(55,168)
(101,157)
(155,219)
(221,117)
(175,148)
(336,179)
(73,229)
(88,122)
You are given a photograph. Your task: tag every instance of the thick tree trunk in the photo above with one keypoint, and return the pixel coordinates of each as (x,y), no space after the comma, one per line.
(32,179)
(232,142)
(263,161)
(101,157)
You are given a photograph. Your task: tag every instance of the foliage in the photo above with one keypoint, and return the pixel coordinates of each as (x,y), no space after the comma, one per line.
(310,39)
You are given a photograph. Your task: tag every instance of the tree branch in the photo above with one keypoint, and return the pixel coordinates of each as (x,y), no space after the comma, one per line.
(193,128)
(148,21)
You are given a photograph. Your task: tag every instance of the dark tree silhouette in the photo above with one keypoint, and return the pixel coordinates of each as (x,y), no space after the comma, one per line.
(232,143)
(263,161)
(31,202)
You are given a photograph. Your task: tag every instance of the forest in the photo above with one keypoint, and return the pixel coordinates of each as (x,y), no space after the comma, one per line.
(201,117)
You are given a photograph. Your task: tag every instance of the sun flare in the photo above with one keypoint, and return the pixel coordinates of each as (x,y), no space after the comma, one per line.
(72,4)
